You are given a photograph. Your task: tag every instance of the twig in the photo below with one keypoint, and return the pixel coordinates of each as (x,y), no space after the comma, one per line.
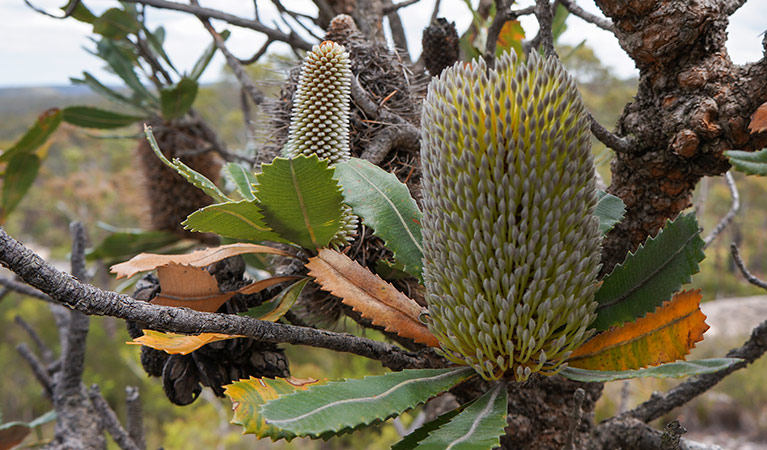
(730,214)
(545,18)
(751,278)
(206,13)
(575,417)
(296,17)
(256,56)
(24,289)
(134,418)
(619,144)
(45,351)
(397,31)
(601,22)
(90,300)
(42,375)
(67,12)
(661,403)
(435,11)
(110,421)
(394,7)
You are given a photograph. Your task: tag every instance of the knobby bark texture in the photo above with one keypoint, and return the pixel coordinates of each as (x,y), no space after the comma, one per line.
(692,104)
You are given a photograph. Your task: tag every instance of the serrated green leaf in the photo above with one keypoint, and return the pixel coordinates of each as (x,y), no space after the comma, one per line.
(670,370)
(750,163)
(300,200)
(411,441)
(242,178)
(650,276)
(206,57)
(192,176)
(249,395)
(36,135)
(116,24)
(610,210)
(178,99)
(128,244)
(238,220)
(122,66)
(19,176)
(341,405)
(385,205)
(271,310)
(478,427)
(89,117)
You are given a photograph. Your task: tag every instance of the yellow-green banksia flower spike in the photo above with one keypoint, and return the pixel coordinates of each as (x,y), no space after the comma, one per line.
(511,248)
(319,121)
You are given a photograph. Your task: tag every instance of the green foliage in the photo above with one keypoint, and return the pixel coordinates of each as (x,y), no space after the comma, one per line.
(12,433)
(242,178)
(385,205)
(411,441)
(176,100)
(750,163)
(99,88)
(343,405)
(277,306)
(90,117)
(669,370)
(649,276)
(120,61)
(36,136)
(116,24)
(300,200)
(610,210)
(19,176)
(238,220)
(126,244)
(478,427)
(204,60)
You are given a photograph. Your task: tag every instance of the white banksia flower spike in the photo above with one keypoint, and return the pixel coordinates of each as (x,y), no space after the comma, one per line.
(511,245)
(319,121)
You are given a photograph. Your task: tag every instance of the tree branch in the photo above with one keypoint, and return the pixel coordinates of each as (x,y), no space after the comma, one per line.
(90,300)
(67,12)
(134,418)
(38,369)
(545,18)
(730,214)
(111,422)
(751,278)
(601,22)
(619,144)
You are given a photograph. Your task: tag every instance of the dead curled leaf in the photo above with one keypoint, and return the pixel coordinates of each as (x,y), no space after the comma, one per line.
(178,344)
(200,258)
(759,119)
(663,336)
(369,295)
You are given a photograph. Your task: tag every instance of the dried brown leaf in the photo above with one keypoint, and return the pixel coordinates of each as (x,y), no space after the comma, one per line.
(759,119)
(369,295)
(200,258)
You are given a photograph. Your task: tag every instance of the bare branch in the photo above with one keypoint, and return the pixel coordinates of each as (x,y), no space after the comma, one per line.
(751,278)
(730,214)
(619,144)
(545,18)
(134,417)
(575,417)
(601,22)
(392,7)
(435,11)
(90,300)
(397,32)
(24,289)
(110,420)
(41,373)
(67,12)
(47,354)
(206,13)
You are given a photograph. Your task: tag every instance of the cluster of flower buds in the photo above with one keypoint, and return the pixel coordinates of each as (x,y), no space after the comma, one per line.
(511,245)
(319,121)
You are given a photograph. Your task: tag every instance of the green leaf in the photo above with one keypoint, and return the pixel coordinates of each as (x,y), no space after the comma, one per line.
(479,426)
(277,306)
(116,24)
(300,200)
(19,176)
(80,12)
(650,276)
(192,176)
(89,117)
(385,205)
(122,66)
(558,25)
(50,416)
(610,210)
(750,163)
(97,87)
(37,135)
(156,40)
(178,99)
(411,441)
(239,220)
(670,370)
(242,178)
(206,57)
(128,244)
(342,405)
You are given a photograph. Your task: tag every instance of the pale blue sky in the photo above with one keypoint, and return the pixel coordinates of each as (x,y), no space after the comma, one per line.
(36,50)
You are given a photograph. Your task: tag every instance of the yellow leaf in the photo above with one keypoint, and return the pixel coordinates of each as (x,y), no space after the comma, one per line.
(666,335)
(178,344)
(369,295)
(200,258)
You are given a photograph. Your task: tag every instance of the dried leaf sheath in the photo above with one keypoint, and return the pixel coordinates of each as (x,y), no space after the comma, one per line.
(511,248)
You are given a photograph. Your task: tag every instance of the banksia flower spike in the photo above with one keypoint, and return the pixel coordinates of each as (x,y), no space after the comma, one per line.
(511,248)
(319,122)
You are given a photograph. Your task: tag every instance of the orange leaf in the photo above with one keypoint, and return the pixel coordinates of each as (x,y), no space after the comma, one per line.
(200,258)
(369,295)
(178,344)
(759,119)
(666,335)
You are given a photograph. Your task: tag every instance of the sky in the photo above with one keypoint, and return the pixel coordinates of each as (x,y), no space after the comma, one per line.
(40,51)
